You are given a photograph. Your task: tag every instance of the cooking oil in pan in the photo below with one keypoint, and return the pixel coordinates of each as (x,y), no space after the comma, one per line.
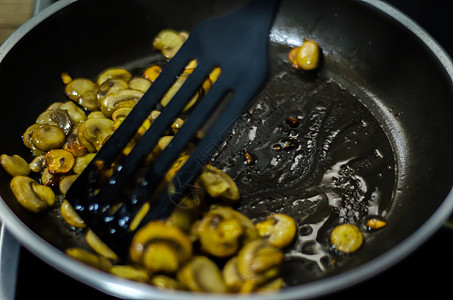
(310,149)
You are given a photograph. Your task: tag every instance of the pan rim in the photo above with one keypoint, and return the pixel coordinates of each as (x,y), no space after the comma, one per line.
(119,287)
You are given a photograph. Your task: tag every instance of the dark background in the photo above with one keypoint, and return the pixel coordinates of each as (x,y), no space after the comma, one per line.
(425,273)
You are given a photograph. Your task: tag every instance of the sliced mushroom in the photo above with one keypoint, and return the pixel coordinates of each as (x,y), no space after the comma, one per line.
(231,276)
(111,86)
(175,88)
(49,179)
(152,73)
(82,162)
(222,231)
(305,57)
(59,161)
(139,83)
(75,148)
(271,286)
(169,42)
(201,274)
(97,245)
(27,136)
(56,117)
(114,73)
(70,215)
(185,214)
(130,272)
(166,282)
(83,91)
(89,258)
(93,132)
(14,165)
(119,115)
(346,238)
(121,98)
(375,223)
(38,164)
(66,182)
(75,112)
(32,195)
(218,184)
(48,137)
(96,114)
(65,77)
(160,246)
(278,229)
(177,124)
(258,262)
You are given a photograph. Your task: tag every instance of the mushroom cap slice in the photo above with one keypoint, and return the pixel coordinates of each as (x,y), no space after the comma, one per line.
(218,184)
(56,117)
(201,274)
(258,261)
(160,232)
(113,73)
(83,91)
(48,137)
(121,98)
(278,229)
(93,132)
(32,195)
(14,165)
(222,231)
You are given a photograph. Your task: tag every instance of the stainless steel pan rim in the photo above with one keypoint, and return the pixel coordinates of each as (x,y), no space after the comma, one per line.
(132,290)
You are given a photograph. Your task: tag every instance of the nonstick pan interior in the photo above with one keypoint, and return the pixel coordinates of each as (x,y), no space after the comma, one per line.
(374,119)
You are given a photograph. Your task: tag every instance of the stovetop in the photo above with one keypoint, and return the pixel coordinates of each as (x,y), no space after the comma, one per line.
(426,272)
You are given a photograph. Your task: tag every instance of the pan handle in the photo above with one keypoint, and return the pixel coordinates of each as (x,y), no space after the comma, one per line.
(9,259)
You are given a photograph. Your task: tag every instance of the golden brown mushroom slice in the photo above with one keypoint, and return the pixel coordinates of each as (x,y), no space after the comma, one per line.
(93,132)
(48,137)
(305,57)
(278,229)
(89,258)
(82,162)
(130,272)
(346,238)
(110,86)
(32,195)
(201,274)
(14,165)
(119,99)
(169,41)
(59,161)
(70,215)
(166,282)
(56,117)
(99,246)
(175,88)
(139,83)
(218,184)
(258,262)
(113,73)
(83,92)
(160,246)
(75,112)
(223,230)
(38,164)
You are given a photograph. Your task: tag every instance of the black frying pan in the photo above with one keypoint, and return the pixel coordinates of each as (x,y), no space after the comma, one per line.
(379,106)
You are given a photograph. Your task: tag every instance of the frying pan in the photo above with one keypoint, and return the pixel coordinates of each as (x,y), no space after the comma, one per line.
(378,108)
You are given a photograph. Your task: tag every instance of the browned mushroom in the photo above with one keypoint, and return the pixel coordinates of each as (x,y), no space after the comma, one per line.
(160,246)
(201,274)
